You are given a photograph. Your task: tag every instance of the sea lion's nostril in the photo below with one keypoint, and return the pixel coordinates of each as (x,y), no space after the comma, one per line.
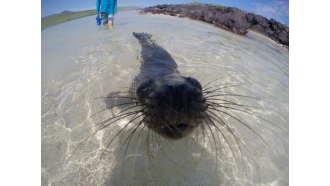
(182,126)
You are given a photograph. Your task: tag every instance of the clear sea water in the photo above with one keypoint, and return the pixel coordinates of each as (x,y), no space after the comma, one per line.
(82,62)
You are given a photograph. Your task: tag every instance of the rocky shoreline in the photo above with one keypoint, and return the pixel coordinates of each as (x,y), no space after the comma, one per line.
(229,18)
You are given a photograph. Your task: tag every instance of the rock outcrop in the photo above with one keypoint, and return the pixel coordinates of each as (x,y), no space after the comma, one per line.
(229,18)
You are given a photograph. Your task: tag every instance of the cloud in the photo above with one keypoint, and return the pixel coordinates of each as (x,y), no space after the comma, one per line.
(276,9)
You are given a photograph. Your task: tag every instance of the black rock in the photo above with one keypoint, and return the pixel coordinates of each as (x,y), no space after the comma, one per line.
(229,18)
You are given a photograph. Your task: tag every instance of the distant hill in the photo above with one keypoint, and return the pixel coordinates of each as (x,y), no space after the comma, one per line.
(70,15)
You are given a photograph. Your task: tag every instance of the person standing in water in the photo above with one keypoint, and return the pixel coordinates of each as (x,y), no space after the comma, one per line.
(106,9)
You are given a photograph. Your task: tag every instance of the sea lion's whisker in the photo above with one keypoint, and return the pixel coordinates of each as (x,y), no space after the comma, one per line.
(238,140)
(223,123)
(137,146)
(244,124)
(104,126)
(150,154)
(171,130)
(247,107)
(121,104)
(120,131)
(122,113)
(224,137)
(232,108)
(226,102)
(130,136)
(108,124)
(214,140)
(220,87)
(202,127)
(97,130)
(158,139)
(234,95)
(141,129)
(126,92)
(209,83)
(119,118)
(118,97)
(170,108)
(252,114)
(236,109)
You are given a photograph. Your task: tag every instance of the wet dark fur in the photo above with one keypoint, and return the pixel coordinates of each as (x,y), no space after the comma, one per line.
(173,105)
(163,101)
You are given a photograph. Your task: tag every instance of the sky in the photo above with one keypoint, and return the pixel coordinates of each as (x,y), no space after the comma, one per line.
(277,9)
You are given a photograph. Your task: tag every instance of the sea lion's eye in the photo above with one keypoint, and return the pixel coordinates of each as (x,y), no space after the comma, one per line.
(194,83)
(147,89)
(144,89)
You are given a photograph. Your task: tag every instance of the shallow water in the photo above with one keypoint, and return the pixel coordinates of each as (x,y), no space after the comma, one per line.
(82,62)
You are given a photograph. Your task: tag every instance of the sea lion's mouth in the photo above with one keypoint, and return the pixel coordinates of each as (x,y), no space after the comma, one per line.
(176,131)
(181,126)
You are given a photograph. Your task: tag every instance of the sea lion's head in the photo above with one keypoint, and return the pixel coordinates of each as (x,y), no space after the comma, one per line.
(174,105)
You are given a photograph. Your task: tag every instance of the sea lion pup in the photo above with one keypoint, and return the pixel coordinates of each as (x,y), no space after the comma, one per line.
(174,105)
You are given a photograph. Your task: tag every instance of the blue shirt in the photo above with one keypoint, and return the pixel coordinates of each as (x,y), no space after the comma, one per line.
(108,6)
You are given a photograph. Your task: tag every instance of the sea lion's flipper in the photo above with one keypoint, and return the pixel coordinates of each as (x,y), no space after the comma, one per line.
(145,39)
